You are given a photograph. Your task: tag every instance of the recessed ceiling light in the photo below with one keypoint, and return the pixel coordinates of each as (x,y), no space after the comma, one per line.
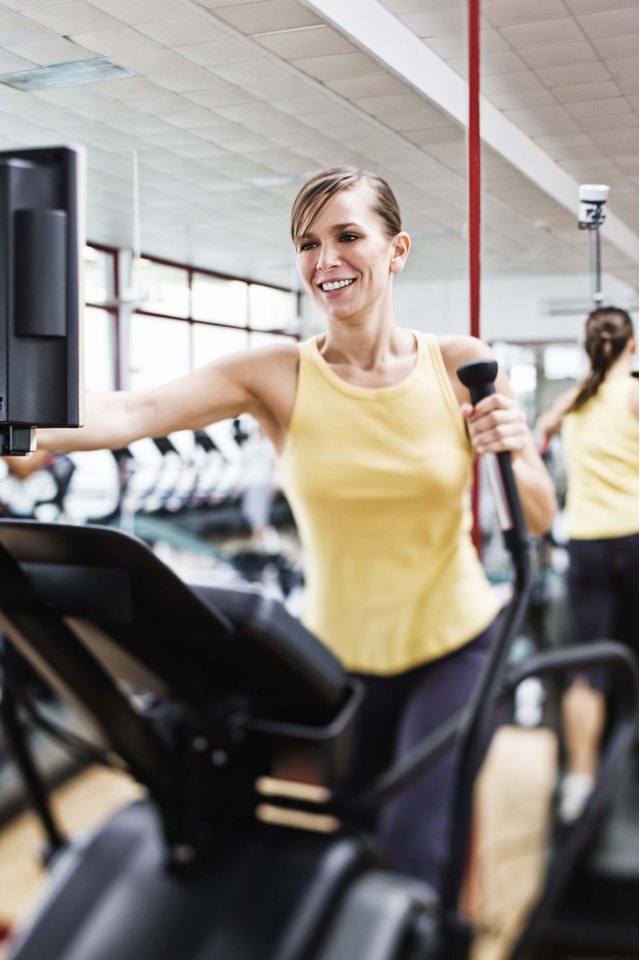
(71,74)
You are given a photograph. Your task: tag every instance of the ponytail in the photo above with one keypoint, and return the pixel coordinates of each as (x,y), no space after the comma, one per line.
(608,330)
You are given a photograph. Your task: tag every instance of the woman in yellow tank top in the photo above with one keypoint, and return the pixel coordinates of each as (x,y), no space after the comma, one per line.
(376,438)
(599,424)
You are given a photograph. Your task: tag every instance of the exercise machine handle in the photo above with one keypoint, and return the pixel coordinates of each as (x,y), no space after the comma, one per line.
(473,731)
(479,376)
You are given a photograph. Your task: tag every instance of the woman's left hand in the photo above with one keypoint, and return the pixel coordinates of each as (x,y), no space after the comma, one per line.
(495,424)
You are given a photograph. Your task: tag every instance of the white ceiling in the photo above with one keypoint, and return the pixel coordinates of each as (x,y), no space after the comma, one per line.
(230,105)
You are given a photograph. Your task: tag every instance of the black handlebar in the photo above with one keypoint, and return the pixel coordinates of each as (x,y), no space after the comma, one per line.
(479,376)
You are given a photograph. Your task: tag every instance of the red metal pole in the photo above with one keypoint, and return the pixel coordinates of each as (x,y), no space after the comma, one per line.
(473,154)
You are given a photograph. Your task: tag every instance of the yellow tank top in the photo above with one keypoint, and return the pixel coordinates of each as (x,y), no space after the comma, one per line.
(378,482)
(601,451)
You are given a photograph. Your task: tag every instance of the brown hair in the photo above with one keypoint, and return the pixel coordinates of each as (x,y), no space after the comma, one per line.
(319,189)
(608,330)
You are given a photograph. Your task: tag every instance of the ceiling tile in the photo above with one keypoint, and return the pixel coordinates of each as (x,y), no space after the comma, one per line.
(284,89)
(616,121)
(139,11)
(587,91)
(49,52)
(70,96)
(574,73)
(525,98)
(629,85)
(23,4)
(559,55)
(187,119)
(610,23)
(12,63)
(161,102)
(270,125)
(591,6)
(540,33)
(182,30)
(339,66)
(612,47)
(199,78)
(71,16)
(245,112)
(596,108)
(392,104)
(267,16)
(332,118)
(139,126)
(626,67)
(219,96)
(129,88)
(437,23)
(118,40)
(427,120)
(153,61)
(16,29)
(306,42)
(505,12)
(628,136)
(213,52)
(375,86)
(302,106)
(249,71)
(510,83)
(536,127)
(417,6)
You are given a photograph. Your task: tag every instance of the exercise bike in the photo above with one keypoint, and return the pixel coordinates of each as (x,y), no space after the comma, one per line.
(236,720)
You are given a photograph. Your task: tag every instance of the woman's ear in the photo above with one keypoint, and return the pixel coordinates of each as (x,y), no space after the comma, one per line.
(401,247)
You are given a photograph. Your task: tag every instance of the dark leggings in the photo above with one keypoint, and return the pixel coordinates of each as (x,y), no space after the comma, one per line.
(603,595)
(397,712)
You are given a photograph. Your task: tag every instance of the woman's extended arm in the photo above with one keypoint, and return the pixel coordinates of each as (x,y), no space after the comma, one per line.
(252,381)
(496,424)
(550,421)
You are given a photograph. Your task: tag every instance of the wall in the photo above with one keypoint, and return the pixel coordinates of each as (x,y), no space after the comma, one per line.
(530,308)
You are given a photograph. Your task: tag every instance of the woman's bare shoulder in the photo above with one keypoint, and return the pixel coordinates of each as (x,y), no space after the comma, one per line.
(458,350)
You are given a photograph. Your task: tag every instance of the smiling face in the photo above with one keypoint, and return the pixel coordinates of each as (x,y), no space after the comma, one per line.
(346,257)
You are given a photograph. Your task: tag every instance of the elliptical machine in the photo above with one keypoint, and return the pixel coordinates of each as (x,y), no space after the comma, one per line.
(237,722)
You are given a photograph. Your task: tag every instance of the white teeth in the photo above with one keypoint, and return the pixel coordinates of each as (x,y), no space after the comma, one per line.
(336,284)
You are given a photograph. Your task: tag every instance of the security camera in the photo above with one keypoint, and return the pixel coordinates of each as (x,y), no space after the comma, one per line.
(593,197)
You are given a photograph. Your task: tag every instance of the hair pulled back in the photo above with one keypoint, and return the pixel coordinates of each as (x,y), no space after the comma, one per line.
(608,330)
(318,190)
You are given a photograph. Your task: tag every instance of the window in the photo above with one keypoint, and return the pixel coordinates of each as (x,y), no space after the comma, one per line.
(100,323)
(185,317)
(271,309)
(216,300)
(210,342)
(159,350)
(163,288)
(99,349)
(98,275)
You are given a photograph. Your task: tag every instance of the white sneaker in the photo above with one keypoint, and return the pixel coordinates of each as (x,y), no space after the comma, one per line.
(575,790)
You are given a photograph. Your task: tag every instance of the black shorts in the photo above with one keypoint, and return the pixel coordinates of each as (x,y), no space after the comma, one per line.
(603,594)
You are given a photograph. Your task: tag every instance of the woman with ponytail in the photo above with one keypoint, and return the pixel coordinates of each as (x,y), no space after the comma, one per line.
(599,424)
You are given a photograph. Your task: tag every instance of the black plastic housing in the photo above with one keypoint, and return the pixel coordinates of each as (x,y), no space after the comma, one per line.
(41,295)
